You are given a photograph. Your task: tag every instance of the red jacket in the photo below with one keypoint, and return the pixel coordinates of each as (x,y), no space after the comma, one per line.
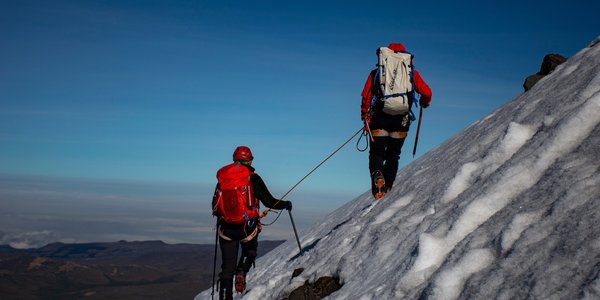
(420,86)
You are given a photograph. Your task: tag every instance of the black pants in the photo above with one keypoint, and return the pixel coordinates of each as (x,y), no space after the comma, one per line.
(229,256)
(389,133)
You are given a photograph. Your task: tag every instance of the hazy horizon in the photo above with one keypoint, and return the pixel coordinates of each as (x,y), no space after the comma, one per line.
(41,210)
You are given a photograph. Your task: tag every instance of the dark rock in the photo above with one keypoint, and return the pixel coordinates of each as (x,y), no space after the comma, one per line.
(322,288)
(297,272)
(531,80)
(550,62)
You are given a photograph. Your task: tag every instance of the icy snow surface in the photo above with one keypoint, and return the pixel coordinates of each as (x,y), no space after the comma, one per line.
(507,209)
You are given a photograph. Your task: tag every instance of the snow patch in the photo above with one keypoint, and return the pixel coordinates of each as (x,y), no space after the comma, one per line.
(461,181)
(257,292)
(368,209)
(392,209)
(520,177)
(591,89)
(418,218)
(515,137)
(519,223)
(450,281)
(568,70)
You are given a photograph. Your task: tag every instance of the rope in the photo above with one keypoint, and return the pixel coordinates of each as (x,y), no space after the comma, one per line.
(366,135)
(265,213)
(311,171)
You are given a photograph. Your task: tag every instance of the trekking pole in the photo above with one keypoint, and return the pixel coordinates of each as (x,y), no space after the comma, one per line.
(212,294)
(295,232)
(418,129)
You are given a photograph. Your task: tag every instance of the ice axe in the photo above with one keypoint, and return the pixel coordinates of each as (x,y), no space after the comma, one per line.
(418,129)
(295,232)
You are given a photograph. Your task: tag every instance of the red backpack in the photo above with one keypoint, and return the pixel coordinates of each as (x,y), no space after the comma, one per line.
(234,199)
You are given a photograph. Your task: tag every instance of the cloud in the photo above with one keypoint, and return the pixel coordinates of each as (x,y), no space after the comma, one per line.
(38,211)
(32,239)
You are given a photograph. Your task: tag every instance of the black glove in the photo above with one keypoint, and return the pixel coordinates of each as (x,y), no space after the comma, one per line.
(288,205)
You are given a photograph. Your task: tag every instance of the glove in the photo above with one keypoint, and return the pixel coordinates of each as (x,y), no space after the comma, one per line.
(424,102)
(365,126)
(288,205)
(365,117)
(366,121)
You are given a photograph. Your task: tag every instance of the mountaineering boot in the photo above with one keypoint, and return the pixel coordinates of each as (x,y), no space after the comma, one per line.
(378,188)
(240,282)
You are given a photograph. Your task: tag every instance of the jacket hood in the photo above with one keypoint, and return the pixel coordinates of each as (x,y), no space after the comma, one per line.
(396,47)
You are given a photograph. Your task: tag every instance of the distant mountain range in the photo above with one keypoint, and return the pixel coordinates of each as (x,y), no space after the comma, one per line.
(119,270)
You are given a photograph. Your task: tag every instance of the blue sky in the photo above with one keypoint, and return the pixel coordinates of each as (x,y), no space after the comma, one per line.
(163,91)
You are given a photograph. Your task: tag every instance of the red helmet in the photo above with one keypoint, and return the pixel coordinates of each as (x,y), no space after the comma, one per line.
(396,47)
(242,153)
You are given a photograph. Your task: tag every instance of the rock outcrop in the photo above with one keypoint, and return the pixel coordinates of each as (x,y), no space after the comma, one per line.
(550,62)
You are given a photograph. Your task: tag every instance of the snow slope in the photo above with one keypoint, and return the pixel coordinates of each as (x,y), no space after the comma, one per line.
(507,209)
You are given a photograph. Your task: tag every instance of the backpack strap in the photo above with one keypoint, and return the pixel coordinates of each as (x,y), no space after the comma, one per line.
(375,85)
(415,98)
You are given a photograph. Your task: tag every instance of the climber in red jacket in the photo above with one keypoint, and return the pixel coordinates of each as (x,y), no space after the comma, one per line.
(388,129)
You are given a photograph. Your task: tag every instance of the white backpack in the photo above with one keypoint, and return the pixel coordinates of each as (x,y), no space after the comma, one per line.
(395,80)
